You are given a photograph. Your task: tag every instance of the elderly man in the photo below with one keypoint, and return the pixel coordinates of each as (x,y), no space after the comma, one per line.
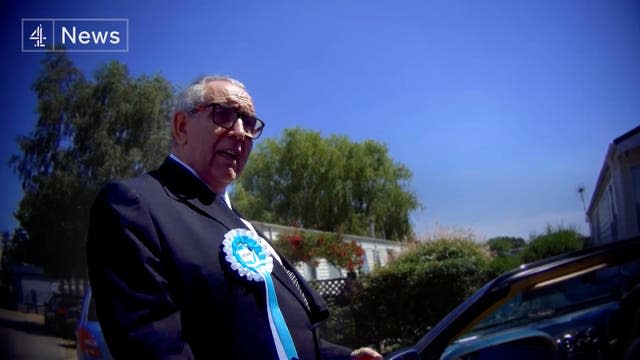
(177,273)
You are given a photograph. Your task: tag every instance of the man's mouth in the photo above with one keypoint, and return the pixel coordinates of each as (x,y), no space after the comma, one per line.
(229,154)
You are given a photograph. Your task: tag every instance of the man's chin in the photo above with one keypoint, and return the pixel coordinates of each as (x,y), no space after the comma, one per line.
(222,178)
(231,175)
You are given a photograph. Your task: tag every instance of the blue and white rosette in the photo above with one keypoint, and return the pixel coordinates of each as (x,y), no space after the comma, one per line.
(249,256)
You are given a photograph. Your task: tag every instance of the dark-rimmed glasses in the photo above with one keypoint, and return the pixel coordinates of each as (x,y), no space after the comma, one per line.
(226,116)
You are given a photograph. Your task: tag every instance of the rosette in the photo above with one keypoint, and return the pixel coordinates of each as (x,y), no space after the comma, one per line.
(249,256)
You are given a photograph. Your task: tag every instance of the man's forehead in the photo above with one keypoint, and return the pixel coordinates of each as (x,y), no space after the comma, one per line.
(221,91)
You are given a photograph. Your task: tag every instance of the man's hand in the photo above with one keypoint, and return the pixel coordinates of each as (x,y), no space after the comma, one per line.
(365,354)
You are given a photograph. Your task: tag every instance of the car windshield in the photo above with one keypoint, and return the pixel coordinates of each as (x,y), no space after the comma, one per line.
(590,289)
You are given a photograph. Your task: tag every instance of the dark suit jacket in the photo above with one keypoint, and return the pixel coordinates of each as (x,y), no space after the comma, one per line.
(161,284)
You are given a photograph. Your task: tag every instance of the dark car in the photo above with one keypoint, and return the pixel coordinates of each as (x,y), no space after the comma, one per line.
(90,344)
(61,314)
(581,305)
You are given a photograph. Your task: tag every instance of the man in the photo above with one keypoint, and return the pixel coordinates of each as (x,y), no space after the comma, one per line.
(177,273)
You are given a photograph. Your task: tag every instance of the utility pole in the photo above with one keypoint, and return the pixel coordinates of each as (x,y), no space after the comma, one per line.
(581,190)
(372,232)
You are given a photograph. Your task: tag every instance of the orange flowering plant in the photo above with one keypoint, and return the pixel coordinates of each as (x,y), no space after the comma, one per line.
(308,247)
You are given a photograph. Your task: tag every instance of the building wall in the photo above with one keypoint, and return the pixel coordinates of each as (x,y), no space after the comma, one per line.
(602,218)
(614,211)
(635,179)
(377,252)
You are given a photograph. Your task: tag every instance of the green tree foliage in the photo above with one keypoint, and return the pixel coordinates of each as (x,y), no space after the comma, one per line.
(552,242)
(505,245)
(427,282)
(507,251)
(87,133)
(329,184)
(503,263)
(15,249)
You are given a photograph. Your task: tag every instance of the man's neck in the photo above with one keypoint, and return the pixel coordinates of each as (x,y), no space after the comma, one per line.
(190,169)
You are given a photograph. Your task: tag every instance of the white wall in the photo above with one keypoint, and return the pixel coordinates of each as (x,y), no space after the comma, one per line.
(614,212)
(385,249)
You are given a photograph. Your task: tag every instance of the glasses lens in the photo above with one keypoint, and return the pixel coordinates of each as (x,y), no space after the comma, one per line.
(224,116)
(249,123)
(252,125)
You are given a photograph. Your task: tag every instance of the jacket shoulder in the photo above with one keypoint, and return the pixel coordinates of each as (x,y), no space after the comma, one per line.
(126,188)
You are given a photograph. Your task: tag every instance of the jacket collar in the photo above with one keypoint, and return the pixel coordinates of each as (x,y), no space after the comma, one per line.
(184,186)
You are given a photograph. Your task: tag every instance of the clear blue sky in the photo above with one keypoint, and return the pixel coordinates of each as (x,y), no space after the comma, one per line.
(499,108)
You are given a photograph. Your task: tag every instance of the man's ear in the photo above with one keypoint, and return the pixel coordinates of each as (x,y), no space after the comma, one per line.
(179,128)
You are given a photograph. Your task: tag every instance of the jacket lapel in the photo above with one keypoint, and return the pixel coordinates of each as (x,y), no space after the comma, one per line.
(185,187)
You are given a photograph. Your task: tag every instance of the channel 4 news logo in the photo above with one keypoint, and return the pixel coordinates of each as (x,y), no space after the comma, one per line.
(79,35)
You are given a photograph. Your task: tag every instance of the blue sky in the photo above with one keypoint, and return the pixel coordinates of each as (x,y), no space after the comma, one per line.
(501,109)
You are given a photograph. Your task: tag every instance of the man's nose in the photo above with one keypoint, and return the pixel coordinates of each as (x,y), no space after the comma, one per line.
(238,129)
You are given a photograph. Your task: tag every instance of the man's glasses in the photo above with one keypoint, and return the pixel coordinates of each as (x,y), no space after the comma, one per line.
(226,116)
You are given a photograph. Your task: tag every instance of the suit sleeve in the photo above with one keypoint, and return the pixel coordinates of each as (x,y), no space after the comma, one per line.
(331,351)
(135,309)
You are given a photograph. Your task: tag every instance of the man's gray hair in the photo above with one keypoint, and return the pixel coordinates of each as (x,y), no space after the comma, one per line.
(193,95)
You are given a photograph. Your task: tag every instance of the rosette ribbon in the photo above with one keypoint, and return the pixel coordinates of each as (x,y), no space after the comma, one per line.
(249,256)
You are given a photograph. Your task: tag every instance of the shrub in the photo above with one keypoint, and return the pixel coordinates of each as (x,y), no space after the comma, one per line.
(501,264)
(396,305)
(507,254)
(505,245)
(552,242)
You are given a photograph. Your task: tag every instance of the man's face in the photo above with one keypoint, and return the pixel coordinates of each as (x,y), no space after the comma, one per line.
(216,154)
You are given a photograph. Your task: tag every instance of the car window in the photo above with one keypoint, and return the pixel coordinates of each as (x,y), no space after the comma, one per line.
(590,289)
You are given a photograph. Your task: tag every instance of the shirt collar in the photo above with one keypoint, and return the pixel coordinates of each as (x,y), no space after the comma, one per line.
(225,196)
(227,201)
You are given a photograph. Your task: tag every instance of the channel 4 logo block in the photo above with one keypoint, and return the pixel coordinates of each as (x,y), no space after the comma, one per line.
(75,35)
(37,34)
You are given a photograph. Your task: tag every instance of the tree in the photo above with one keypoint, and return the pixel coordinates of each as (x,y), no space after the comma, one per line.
(329,184)
(87,133)
(15,249)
